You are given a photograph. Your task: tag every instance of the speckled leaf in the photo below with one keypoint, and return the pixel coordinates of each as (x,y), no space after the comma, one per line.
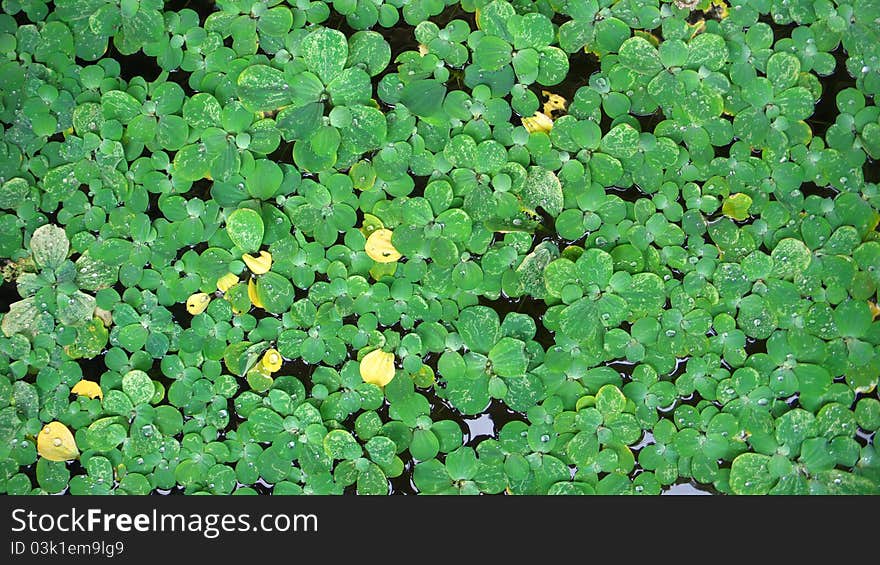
(639,55)
(479,328)
(325,52)
(275,292)
(21,318)
(542,189)
(92,274)
(263,88)
(749,474)
(790,257)
(245,228)
(49,246)
(530,273)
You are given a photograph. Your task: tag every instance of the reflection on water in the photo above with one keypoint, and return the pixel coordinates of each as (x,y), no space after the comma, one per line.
(685,489)
(483,426)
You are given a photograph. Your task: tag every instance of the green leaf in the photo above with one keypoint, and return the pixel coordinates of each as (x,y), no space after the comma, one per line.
(423,98)
(595,267)
(790,257)
(339,444)
(138,386)
(430,477)
(52,476)
(479,328)
(853,318)
(367,130)
(325,52)
(91,338)
(275,292)
(245,228)
(424,445)
(836,482)
(372,481)
(92,274)
(370,50)
(707,50)
(610,400)
(645,295)
(508,357)
(191,162)
(580,321)
(737,206)
(783,69)
(49,246)
(264,424)
(542,189)
(750,474)
(462,464)
(530,273)
(262,88)
(492,53)
(75,308)
(639,55)
(241,356)
(622,141)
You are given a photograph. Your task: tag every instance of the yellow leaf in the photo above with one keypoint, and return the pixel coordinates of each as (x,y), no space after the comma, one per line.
(252,294)
(717,9)
(590,51)
(88,388)
(875,310)
(226,282)
(379,270)
(554,103)
(105,316)
(56,443)
(377,367)
(647,36)
(379,247)
(423,49)
(875,219)
(370,224)
(538,122)
(258,265)
(697,27)
(271,361)
(197,303)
